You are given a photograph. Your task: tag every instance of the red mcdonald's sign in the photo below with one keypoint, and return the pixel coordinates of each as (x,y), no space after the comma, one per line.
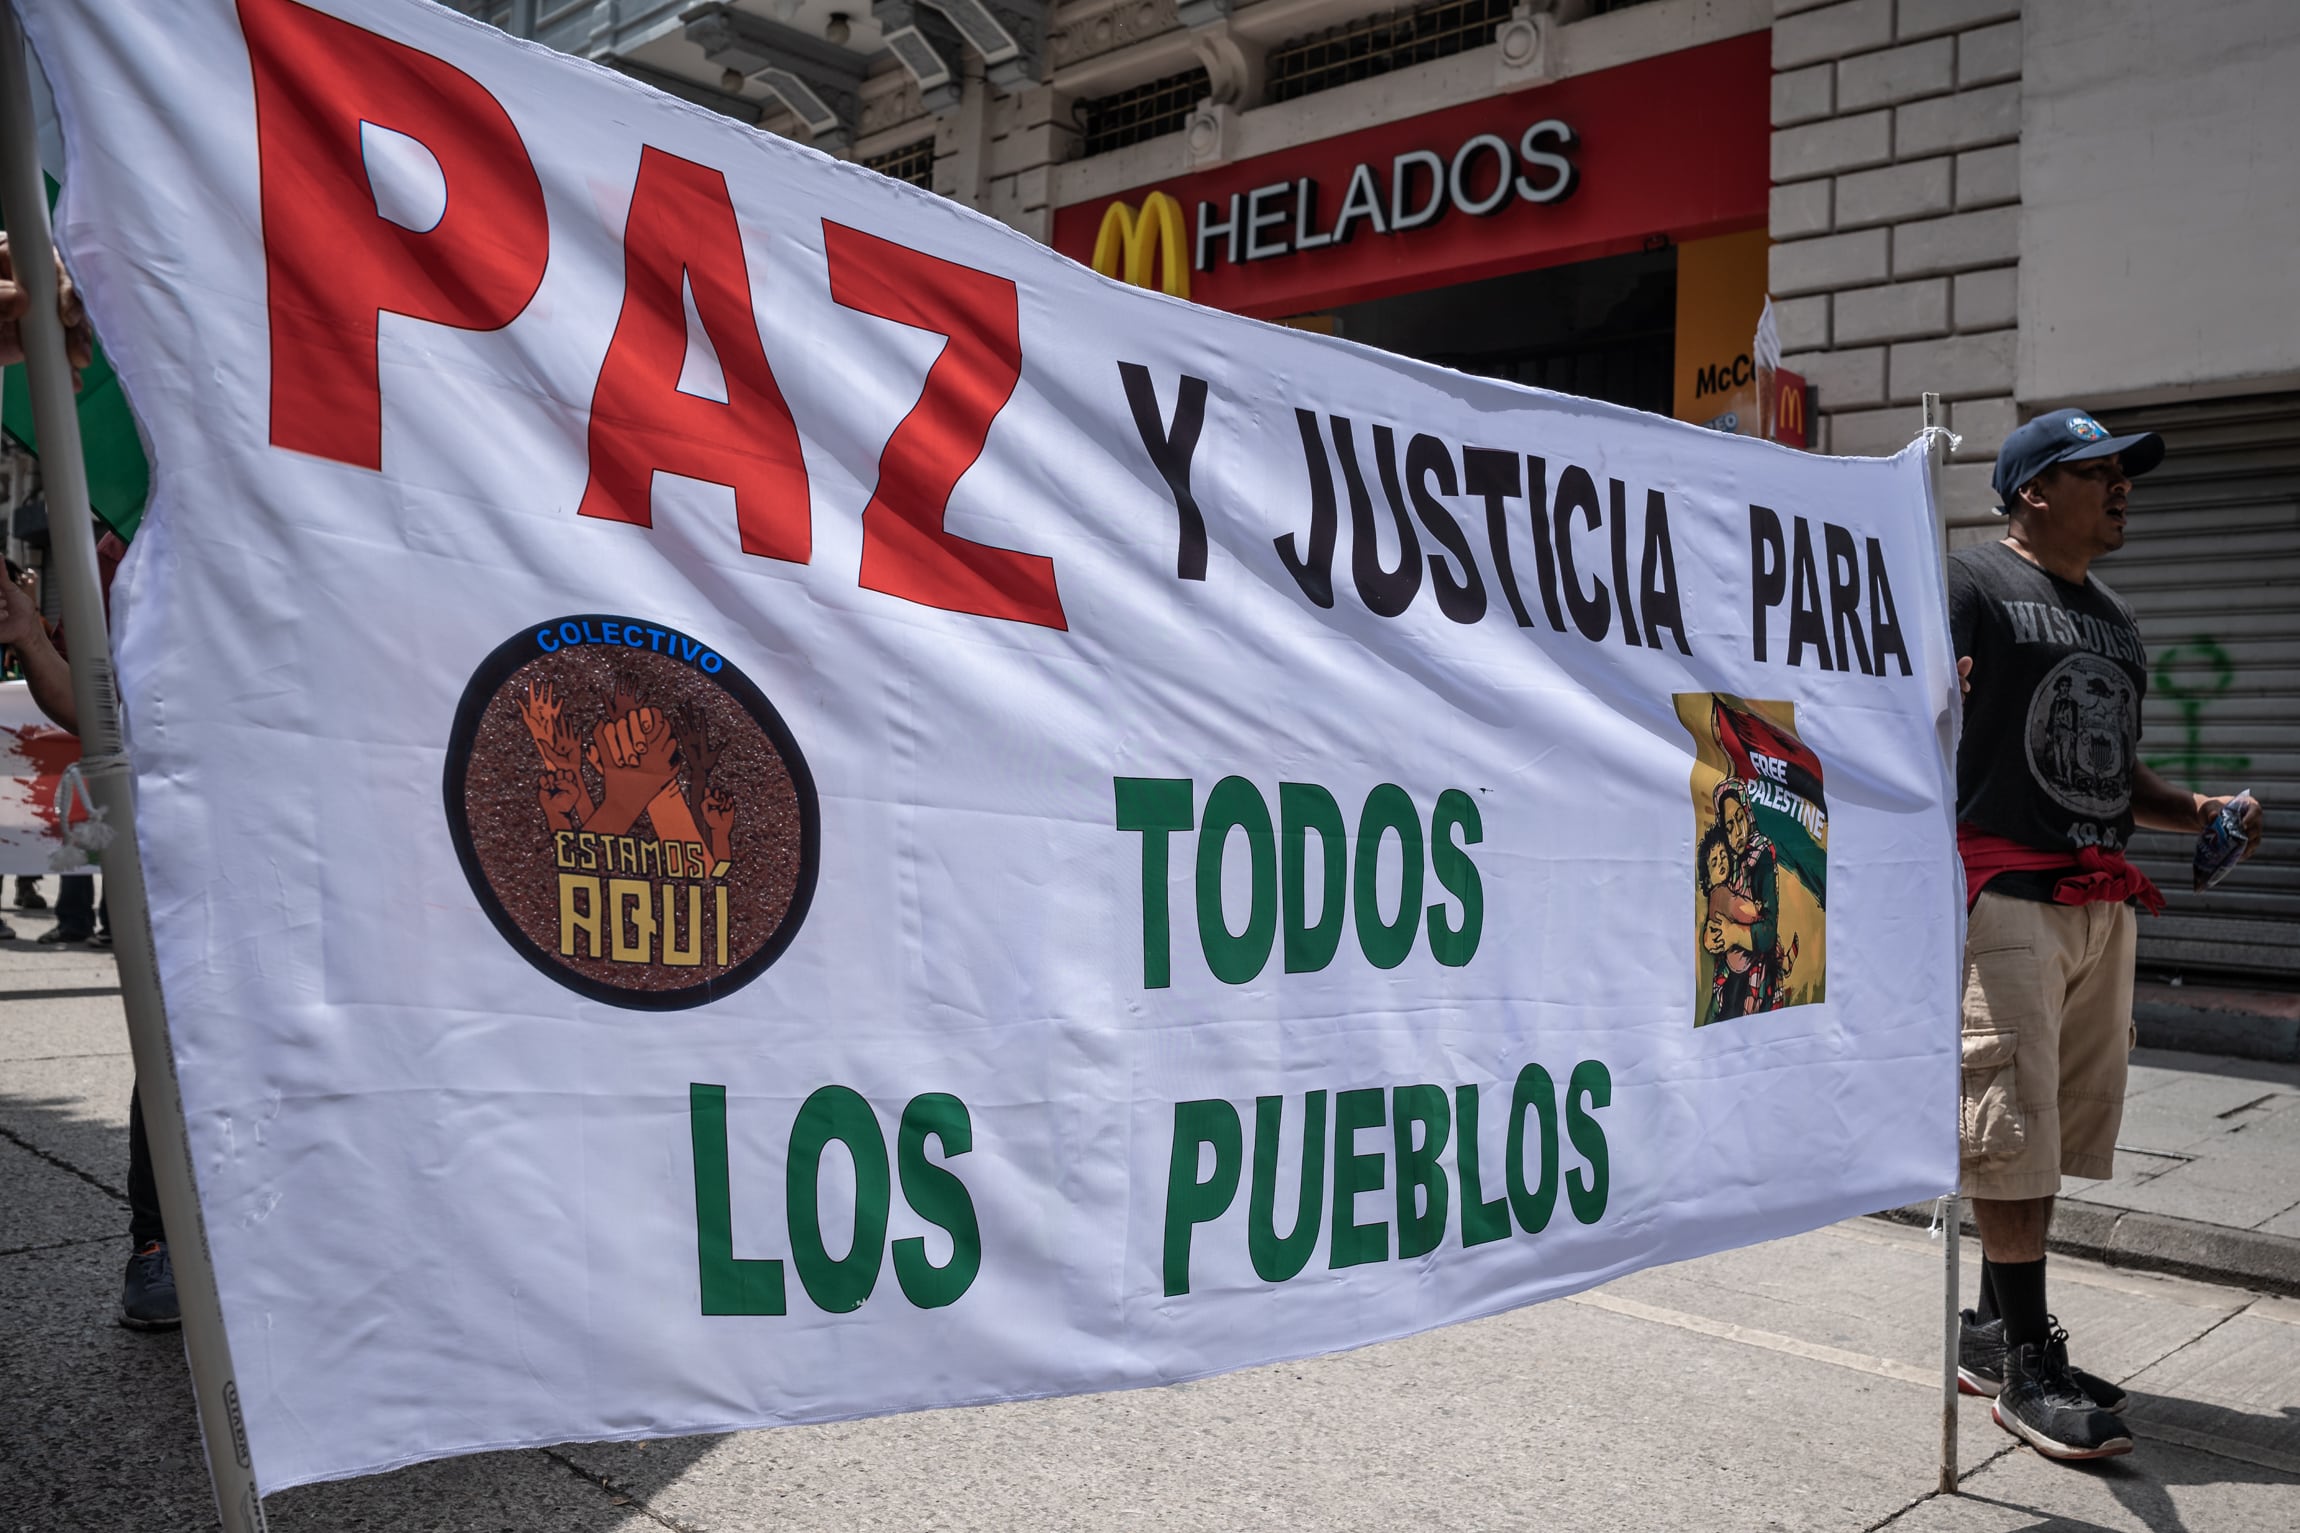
(1673,147)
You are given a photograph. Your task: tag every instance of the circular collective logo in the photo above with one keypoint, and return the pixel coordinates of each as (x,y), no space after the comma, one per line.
(631,811)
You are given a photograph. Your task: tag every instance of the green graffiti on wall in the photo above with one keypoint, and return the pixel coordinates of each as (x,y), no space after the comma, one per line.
(2192,675)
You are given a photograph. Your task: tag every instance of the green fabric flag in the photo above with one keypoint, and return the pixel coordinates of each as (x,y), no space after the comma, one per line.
(119,478)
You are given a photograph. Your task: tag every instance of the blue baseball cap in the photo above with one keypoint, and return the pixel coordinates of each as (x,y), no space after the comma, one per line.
(2065,436)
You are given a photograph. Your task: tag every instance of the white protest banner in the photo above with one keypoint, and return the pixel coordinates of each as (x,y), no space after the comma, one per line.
(766,802)
(33,757)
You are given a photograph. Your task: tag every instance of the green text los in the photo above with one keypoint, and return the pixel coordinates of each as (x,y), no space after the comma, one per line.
(838,1284)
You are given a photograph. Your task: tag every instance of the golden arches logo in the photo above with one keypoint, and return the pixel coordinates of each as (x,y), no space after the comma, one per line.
(1789,412)
(1128,243)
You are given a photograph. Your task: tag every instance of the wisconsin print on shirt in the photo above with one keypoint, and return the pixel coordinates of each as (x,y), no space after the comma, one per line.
(2052,726)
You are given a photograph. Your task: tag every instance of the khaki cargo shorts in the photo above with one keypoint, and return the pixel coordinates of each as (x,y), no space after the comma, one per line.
(2047,1033)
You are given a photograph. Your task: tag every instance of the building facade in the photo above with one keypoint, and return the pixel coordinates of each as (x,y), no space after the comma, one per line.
(2017,204)
(1569,193)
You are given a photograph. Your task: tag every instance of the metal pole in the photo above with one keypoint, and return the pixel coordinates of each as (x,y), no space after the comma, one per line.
(1952,1222)
(105,769)
(1952,1210)
(523,18)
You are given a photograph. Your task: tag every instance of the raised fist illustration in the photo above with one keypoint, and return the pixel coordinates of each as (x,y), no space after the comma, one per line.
(719,816)
(564,798)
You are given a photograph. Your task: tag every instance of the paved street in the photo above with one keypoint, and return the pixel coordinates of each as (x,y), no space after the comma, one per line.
(1787,1386)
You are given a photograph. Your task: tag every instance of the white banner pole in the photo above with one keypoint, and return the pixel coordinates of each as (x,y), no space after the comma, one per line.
(104,767)
(1952,1212)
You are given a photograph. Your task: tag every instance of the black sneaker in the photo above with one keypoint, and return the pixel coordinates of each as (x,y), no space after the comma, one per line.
(148,1299)
(1981,1361)
(102,938)
(29,897)
(2109,1397)
(57,934)
(2041,1405)
(1980,1355)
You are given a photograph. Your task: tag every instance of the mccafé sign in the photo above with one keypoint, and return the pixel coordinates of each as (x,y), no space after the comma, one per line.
(1673,147)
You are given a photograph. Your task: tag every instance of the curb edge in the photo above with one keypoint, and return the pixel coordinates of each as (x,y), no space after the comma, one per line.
(2146,1242)
(2229,1034)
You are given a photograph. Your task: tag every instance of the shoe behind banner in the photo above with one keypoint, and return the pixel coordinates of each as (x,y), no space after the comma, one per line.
(148,1297)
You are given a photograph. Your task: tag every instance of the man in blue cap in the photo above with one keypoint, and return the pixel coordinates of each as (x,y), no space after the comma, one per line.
(2049,788)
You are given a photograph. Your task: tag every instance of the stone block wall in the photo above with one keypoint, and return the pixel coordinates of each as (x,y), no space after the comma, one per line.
(1896,221)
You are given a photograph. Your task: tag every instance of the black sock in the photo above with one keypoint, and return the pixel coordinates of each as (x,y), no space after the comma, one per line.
(2019,1288)
(1986,1309)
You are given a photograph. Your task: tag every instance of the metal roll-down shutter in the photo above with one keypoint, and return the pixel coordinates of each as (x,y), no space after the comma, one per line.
(2212,568)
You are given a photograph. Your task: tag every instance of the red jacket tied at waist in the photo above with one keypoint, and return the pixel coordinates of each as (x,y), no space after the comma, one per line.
(2094,876)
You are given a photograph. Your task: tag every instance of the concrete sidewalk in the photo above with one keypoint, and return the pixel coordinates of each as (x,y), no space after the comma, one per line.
(2207,1180)
(1792,1385)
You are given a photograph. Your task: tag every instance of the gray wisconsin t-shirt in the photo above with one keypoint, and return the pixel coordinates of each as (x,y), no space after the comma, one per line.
(2052,727)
